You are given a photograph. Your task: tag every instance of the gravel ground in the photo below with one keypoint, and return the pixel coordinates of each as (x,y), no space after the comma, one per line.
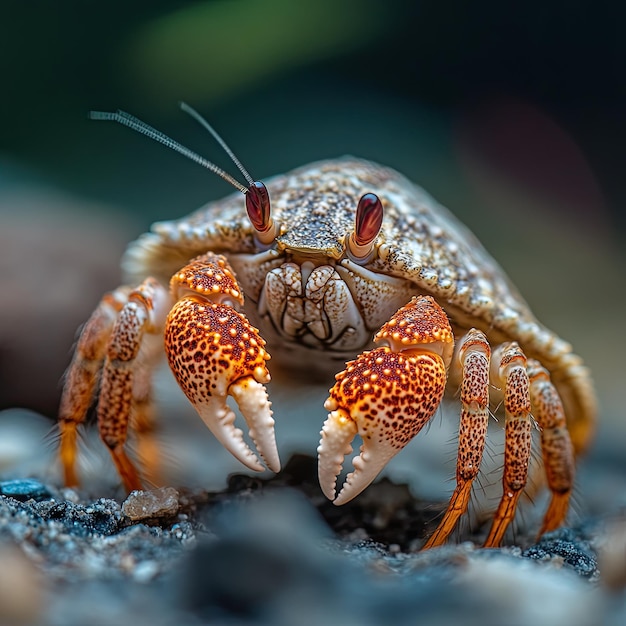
(275,552)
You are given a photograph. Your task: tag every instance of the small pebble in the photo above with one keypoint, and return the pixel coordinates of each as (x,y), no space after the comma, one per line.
(143,505)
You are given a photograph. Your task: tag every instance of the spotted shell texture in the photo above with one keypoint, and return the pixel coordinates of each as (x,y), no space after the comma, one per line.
(420,241)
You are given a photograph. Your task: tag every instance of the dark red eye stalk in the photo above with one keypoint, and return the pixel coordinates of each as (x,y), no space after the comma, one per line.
(367,224)
(258,206)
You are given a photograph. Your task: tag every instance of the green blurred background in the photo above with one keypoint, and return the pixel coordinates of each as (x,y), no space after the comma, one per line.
(513,116)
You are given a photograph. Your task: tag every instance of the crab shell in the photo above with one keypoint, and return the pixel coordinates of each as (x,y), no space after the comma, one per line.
(422,249)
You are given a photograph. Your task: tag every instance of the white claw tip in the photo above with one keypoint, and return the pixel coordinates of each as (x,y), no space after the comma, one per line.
(251,397)
(337,434)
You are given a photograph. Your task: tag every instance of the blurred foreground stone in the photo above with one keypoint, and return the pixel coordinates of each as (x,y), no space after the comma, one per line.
(21,587)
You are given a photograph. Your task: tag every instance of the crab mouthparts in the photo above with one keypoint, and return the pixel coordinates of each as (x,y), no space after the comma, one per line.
(313,305)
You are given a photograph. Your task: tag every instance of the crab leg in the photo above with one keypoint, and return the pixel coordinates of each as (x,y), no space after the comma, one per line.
(509,367)
(556,445)
(83,376)
(386,396)
(143,424)
(473,355)
(123,388)
(214,352)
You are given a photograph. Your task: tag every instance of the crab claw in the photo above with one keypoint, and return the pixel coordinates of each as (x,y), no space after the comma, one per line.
(215,352)
(386,396)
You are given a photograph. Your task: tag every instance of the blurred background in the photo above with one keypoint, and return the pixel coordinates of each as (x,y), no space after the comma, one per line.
(513,117)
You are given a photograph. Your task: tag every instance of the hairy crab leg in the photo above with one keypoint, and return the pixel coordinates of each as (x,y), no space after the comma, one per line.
(142,417)
(215,352)
(386,396)
(144,313)
(556,445)
(509,367)
(473,355)
(147,447)
(83,376)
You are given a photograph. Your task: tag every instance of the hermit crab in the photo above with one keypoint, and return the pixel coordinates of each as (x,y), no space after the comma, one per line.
(352,271)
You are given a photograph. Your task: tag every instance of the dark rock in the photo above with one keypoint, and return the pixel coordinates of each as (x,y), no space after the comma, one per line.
(102,517)
(25,489)
(568,545)
(386,513)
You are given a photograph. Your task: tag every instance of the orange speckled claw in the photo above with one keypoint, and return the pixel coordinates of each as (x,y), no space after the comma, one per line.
(386,395)
(214,352)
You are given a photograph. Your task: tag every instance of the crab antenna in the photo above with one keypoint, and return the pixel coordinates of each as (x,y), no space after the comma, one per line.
(126,119)
(187,109)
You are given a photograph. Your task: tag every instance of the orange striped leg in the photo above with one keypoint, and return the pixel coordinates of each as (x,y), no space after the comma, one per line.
(473,355)
(83,376)
(556,445)
(511,371)
(144,312)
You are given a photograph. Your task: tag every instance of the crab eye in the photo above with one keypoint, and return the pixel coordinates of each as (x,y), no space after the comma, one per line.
(369,218)
(367,223)
(258,208)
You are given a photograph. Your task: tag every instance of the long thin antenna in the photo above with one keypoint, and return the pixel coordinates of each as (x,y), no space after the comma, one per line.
(134,123)
(187,109)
